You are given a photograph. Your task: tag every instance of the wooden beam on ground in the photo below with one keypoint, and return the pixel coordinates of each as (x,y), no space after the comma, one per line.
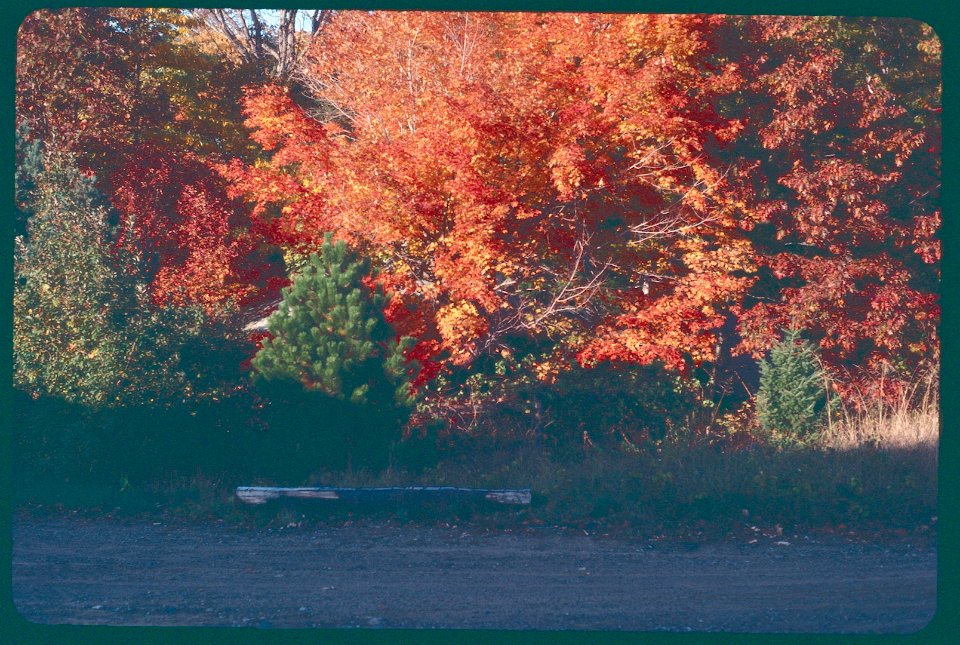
(262,494)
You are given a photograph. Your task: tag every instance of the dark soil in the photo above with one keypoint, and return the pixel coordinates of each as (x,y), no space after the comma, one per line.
(108,572)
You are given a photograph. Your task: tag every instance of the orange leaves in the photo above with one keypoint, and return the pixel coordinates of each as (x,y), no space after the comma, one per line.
(670,331)
(852,305)
(679,327)
(925,240)
(466,260)
(616,185)
(495,163)
(277,124)
(840,202)
(842,109)
(805,97)
(566,170)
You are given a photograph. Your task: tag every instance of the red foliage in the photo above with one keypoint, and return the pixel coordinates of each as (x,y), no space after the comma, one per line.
(179,225)
(843,199)
(76,79)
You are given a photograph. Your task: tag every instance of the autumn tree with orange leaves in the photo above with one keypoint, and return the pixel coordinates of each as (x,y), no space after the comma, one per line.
(148,124)
(517,177)
(538,194)
(617,188)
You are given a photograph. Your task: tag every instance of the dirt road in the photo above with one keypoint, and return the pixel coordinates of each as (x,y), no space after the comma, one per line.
(105,572)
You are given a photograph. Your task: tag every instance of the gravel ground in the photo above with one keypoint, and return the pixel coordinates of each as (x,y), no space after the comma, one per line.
(106,572)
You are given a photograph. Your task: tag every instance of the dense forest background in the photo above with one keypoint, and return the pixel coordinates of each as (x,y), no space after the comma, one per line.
(294,247)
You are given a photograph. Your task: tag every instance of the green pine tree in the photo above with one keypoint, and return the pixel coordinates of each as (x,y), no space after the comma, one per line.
(792,400)
(329,335)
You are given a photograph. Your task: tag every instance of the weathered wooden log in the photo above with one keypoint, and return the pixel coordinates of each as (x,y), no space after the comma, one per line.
(262,494)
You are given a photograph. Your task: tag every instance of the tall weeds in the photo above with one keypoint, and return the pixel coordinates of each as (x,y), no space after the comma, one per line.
(912,420)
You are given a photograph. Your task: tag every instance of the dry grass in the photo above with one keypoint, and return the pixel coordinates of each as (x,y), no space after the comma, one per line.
(912,421)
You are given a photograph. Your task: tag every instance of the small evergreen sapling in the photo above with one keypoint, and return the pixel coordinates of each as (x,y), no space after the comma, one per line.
(329,336)
(792,402)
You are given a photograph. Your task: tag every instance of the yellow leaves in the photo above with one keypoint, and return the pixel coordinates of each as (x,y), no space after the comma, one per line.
(547,371)
(930,45)
(460,326)
(727,256)
(695,199)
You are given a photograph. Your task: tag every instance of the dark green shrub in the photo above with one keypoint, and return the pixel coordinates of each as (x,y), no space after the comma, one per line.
(605,407)
(83,331)
(617,406)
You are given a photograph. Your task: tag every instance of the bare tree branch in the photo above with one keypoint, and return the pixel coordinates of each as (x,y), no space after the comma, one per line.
(279,50)
(535,306)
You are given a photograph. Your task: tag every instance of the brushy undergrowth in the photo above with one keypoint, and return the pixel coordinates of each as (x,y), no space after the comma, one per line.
(875,467)
(678,483)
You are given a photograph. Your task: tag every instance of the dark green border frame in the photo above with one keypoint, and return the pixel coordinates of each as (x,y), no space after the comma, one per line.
(942,15)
